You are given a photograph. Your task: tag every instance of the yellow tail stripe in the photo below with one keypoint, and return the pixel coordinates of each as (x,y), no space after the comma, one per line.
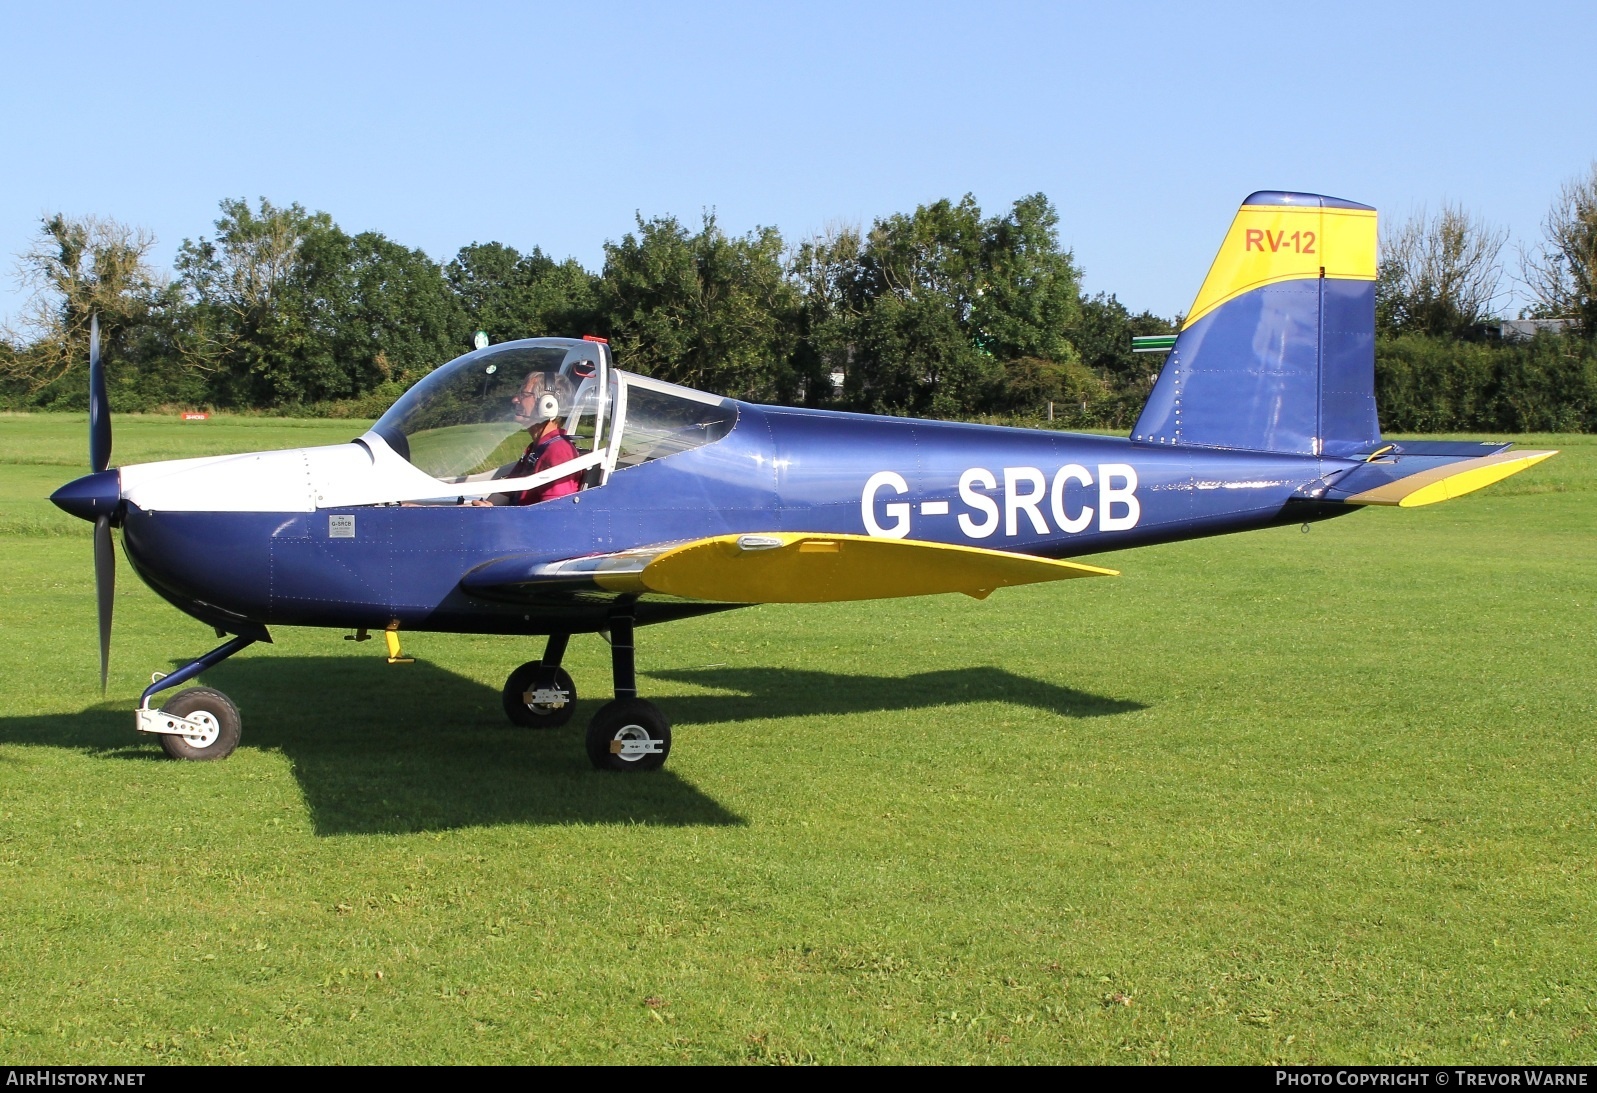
(1267,244)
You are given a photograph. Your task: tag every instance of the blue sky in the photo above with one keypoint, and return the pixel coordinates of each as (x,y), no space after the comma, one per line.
(532,124)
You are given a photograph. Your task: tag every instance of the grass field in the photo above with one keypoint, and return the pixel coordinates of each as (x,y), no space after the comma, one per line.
(1272,797)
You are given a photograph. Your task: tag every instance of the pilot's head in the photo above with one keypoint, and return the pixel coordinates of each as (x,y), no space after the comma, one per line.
(544,396)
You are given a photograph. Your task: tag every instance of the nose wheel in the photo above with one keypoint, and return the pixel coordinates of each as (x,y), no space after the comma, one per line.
(210,726)
(199,723)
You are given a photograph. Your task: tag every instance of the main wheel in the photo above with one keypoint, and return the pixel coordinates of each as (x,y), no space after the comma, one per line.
(532,708)
(629,734)
(211,709)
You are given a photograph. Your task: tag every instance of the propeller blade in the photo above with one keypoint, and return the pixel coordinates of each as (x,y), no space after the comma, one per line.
(99,406)
(104,588)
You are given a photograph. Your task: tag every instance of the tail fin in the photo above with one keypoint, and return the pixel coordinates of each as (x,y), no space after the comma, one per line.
(1278,351)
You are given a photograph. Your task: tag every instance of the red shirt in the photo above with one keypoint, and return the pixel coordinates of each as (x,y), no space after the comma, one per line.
(540,455)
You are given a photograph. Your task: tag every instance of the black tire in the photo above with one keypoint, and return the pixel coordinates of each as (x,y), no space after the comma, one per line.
(532,715)
(628,719)
(206,705)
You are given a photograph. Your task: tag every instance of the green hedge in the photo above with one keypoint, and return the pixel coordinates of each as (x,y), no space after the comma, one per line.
(1433,385)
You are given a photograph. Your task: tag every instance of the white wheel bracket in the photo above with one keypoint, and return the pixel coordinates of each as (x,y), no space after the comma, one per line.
(198,733)
(633,747)
(546,696)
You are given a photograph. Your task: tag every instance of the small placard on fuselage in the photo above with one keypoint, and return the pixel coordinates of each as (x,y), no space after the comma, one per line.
(340,527)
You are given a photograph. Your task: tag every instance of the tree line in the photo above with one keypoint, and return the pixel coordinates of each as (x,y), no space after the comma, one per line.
(945,312)
(1445,358)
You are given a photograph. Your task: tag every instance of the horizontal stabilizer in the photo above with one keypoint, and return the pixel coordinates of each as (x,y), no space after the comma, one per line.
(1427,477)
(782,567)
(1442,449)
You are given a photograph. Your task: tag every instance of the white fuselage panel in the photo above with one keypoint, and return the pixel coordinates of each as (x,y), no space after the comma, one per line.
(292,480)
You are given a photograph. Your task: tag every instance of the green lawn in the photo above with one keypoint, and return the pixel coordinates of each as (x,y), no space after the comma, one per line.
(1271,797)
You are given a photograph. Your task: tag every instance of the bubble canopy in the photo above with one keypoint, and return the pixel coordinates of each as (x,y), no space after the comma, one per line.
(459,422)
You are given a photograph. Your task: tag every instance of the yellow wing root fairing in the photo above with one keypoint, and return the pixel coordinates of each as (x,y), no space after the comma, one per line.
(1450,481)
(794,567)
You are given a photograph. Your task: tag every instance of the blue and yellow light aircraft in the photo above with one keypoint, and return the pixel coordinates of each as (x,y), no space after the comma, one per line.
(639,501)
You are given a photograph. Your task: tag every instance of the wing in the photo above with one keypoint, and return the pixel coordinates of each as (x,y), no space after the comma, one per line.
(777,567)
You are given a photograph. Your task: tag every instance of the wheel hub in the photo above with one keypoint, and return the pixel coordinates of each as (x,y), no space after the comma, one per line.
(545,698)
(633,742)
(212,729)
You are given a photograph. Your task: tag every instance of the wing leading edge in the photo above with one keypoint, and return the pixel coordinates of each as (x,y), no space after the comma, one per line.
(777,567)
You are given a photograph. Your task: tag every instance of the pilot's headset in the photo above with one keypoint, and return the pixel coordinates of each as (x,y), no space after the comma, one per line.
(548,407)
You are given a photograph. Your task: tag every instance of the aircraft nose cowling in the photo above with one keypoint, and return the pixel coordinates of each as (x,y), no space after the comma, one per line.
(92,496)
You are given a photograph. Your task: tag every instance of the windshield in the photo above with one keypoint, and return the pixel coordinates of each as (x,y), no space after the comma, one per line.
(470,418)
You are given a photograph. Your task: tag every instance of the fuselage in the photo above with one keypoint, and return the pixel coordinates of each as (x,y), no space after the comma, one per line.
(270,550)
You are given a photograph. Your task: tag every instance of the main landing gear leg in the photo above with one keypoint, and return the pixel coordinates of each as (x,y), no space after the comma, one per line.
(540,694)
(199,723)
(629,733)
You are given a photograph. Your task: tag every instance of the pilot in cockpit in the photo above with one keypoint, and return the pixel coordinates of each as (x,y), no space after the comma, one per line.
(537,406)
(543,398)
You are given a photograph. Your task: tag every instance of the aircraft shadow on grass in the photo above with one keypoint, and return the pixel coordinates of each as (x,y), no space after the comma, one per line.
(395,750)
(797,692)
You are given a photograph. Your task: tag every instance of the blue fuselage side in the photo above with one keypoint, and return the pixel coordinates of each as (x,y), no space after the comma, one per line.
(780,469)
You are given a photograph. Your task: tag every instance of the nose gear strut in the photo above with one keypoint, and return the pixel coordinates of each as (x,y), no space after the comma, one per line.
(201,722)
